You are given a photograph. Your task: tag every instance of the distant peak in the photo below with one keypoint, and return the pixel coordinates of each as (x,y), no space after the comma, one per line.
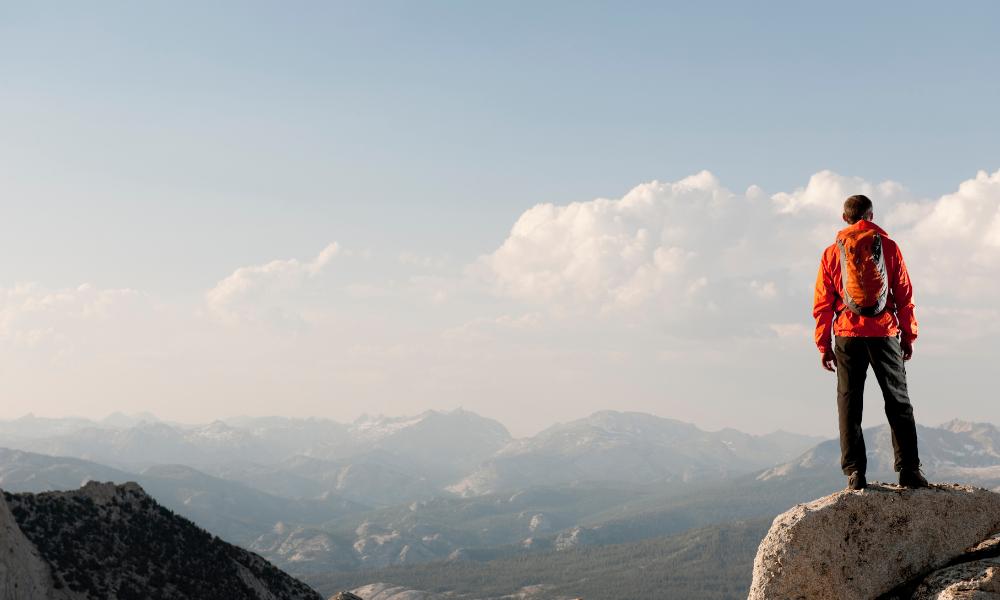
(632,418)
(960,426)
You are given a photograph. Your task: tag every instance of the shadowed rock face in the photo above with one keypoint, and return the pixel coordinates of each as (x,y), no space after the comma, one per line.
(862,544)
(23,573)
(114,541)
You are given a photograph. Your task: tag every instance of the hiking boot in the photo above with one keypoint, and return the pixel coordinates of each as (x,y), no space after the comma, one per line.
(857,481)
(912,478)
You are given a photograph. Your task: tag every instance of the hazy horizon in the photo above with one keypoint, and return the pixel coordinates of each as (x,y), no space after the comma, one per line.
(533,212)
(236,418)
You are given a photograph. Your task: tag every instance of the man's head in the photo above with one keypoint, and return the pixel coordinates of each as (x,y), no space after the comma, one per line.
(856,208)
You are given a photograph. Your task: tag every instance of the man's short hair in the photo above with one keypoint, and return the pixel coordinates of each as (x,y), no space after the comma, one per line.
(856,207)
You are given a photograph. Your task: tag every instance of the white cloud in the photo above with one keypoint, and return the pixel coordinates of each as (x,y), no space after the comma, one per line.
(955,243)
(690,256)
(607,254)
(701,259)
(639,299)
(262,291)
(826,191)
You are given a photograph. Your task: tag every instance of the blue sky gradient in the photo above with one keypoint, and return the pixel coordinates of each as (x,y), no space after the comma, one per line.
(433,125)
(159,146)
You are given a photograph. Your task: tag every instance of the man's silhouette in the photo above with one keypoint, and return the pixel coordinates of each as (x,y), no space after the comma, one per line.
(880,335)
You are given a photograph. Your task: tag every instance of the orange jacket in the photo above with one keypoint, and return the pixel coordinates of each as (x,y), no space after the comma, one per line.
(832,314)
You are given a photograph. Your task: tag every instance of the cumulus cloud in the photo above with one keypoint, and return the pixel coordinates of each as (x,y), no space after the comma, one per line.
(826,191)
(609,254)
(677,252)
(957,241)
(700,258)
(262,291)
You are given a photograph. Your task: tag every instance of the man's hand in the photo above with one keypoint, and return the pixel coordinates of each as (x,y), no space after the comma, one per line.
(907,347)
(829,360)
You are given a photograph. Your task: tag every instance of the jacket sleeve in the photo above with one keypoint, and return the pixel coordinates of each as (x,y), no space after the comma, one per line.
(824,299)
(902,292)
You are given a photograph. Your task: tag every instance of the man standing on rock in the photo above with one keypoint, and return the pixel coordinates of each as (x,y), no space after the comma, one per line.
(864,298)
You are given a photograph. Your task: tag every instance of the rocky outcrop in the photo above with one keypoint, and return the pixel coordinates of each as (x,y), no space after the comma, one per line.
(23,573)
(979,579)
(855,545)
(974,574)
(114,541)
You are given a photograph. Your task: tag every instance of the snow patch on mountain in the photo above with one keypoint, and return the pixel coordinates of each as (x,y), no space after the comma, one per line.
(371,428)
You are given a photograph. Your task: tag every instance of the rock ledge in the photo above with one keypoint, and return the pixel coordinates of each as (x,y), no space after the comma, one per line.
(862,544)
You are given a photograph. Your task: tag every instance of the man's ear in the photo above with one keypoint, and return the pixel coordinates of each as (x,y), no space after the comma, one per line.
(846,220)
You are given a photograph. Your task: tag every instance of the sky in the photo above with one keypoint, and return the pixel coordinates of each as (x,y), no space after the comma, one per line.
(531,210)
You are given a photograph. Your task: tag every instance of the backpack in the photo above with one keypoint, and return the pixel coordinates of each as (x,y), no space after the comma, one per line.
(862,268)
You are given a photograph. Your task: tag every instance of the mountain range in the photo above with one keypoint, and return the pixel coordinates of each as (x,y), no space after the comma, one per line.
(630,448)
(430,453)
(318,497)
(954,451)
(313,494)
